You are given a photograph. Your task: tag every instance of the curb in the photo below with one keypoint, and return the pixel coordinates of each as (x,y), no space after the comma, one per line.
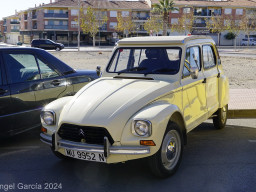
(242,114)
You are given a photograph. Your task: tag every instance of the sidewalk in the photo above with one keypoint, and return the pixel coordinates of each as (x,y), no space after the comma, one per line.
(242,103)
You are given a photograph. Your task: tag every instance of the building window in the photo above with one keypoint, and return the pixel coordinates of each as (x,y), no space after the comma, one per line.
(174,21)
(186,10)
(74,12)
(228,11)
(176,11)
(125,13)
(112,25)
(113,13)
(239,11)
(74,24)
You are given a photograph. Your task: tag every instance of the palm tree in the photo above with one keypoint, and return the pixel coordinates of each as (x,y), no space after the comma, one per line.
(164,7)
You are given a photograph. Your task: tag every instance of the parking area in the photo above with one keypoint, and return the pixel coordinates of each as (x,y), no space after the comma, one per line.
(214,160)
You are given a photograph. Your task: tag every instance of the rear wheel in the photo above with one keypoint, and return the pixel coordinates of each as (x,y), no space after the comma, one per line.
(168,158)
(220,120)
(57,49)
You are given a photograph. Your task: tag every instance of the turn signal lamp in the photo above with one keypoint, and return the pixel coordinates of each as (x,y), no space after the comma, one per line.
(43,130)
(147,142)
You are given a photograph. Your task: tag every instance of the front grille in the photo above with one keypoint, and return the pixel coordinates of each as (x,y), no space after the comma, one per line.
(91,135)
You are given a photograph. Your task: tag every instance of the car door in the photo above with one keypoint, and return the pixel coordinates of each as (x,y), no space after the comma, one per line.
(23,77)
(6,121)
(194,96)
(53,84)
(211,74)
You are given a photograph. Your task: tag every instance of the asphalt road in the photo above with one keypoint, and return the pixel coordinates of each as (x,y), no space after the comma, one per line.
(213,161)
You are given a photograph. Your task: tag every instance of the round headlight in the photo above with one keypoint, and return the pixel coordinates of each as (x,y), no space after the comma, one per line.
(48,117)
(142,128)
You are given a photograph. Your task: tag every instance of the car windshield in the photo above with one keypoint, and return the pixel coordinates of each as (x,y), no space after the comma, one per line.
(145,61)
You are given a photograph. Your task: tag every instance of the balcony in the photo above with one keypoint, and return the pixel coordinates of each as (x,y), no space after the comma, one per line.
(25,17)
(56,15)
(15,30)
(134,17)
(61,27)
(15,22)
(199,25)
(34,16)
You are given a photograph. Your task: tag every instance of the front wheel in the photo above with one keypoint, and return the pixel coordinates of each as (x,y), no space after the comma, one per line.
(57,49)
(219,121)
(168,158)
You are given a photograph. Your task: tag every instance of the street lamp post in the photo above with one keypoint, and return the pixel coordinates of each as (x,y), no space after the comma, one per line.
(79,31)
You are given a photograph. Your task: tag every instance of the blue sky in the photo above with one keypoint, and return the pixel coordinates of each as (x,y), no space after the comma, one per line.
(8,7)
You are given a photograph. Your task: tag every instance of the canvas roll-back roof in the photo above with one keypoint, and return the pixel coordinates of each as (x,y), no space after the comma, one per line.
(163,40)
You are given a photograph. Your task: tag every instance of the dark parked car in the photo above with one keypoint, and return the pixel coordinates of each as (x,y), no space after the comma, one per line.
(46,44)
(29,79)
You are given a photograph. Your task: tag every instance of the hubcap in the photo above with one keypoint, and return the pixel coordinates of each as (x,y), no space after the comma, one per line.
(171,149)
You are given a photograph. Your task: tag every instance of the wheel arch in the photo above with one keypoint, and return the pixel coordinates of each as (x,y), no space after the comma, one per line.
(177,118)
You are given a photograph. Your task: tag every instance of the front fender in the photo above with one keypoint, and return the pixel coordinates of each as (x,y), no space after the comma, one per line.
(55,106)
(159,114)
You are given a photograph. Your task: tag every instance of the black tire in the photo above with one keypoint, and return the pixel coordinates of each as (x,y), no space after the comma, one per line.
(219,121)
(58,49)
(60,156)
(168,158)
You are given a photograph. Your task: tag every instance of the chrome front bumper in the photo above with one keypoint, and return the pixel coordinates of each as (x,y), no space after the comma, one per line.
(106,148)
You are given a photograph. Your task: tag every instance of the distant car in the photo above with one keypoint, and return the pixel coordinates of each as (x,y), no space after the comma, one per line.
(46,44)
(244,42)
(29,79)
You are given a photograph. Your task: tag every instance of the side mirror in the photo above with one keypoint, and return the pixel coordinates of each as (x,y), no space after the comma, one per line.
(98,70)
(194,72)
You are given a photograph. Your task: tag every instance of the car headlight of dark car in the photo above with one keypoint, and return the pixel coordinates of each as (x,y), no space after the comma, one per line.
(48,117)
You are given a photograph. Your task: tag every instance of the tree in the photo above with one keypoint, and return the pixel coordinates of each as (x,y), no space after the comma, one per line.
(233,27)
(185,23)
(91,21)
(153,25)
(164,8)
(247,24)
(125,24)
(216,24)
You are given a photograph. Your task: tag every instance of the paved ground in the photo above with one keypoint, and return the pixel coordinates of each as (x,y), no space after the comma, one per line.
(214,160)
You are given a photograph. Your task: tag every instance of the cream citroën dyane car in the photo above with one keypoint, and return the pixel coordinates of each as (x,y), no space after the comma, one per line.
(153,91)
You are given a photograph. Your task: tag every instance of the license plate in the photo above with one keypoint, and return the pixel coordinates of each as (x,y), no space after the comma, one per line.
(98,157)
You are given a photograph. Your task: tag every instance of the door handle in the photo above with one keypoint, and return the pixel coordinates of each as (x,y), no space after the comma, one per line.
(55,82)
(2,91)
(218,76)
(204,81)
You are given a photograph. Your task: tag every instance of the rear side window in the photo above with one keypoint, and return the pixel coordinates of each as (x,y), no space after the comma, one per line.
(21,67)
(208,57)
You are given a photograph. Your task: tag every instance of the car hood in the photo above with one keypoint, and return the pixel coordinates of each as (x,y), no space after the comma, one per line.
(110,102)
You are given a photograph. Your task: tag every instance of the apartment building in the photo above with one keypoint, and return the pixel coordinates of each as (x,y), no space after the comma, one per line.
(58,20)
(11,29)
(205,9)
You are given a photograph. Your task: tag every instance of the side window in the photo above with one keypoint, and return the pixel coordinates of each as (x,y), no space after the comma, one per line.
(192,60)
(208,57)
(21,67)
(46,71)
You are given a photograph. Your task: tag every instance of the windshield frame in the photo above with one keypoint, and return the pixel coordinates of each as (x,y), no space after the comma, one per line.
(114,55)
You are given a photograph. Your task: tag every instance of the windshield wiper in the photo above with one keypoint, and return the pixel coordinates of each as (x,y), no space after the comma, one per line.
(124,77)
(163,70)
(132,69)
